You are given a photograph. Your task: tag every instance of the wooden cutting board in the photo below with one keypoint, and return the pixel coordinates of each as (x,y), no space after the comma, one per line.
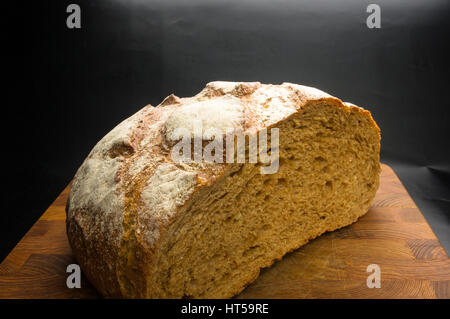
(393,235)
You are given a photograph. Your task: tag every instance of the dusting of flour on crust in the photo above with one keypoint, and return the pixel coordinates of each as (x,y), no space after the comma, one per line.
(168,188)
(95,184)
(223,113)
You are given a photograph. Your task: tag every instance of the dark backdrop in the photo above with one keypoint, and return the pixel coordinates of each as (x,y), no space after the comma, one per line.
(65,88)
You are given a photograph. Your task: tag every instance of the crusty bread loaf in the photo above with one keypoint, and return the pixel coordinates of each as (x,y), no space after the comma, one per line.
(142,225)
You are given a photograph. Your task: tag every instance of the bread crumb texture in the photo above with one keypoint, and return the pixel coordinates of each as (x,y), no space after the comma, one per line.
(144,226)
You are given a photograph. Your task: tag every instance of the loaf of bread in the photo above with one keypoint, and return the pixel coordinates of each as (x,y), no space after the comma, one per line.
(144,224)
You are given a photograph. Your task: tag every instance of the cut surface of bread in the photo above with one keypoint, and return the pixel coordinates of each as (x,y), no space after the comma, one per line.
(148,227)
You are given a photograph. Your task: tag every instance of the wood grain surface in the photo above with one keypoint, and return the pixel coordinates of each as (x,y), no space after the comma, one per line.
(393,235)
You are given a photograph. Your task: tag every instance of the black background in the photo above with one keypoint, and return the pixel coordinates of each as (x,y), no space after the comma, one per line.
(64,89)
